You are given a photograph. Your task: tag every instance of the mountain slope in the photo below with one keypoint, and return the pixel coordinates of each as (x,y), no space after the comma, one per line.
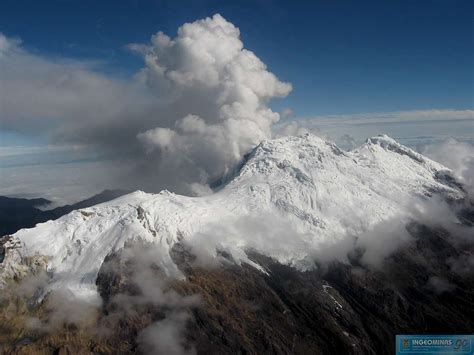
(306,249)
(292,196)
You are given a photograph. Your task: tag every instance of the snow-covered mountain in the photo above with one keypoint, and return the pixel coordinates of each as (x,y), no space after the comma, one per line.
(290,197)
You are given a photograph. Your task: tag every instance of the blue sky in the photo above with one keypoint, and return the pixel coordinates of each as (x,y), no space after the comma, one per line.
(341,56)
(357,68)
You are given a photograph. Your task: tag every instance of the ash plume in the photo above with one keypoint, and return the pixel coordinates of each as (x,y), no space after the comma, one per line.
(187,117)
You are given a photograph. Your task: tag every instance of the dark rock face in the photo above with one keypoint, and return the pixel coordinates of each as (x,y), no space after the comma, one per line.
(3,241)
(343,310)
(17,213)
(338,309)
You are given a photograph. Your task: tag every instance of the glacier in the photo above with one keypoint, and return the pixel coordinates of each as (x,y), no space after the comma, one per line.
(290,197)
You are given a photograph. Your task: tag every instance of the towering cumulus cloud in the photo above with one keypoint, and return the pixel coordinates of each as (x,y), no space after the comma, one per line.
(186,118)
(218,90)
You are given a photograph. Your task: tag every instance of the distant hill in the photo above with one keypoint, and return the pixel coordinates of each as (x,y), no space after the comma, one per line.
(18,213)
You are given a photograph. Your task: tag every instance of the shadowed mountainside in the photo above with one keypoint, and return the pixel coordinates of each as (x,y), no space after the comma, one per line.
(17,213)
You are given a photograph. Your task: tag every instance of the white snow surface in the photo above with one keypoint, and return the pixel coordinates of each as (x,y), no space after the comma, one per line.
(291,196)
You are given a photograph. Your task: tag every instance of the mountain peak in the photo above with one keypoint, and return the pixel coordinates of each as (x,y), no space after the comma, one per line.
(298,194)
(382,139)
(389,144)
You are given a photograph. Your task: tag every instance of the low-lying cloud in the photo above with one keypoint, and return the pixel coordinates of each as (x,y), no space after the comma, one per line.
(147,284)
(137,287)
(458,156)
(276,236)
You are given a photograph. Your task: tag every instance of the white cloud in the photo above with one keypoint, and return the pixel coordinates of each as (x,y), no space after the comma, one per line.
(294,128)
(224,87)
(166,336)
(458,156)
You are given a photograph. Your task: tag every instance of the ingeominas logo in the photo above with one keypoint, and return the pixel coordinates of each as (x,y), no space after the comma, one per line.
(434,344)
